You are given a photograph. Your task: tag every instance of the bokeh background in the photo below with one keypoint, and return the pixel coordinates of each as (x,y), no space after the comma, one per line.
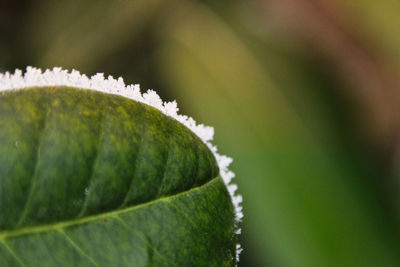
(303,94)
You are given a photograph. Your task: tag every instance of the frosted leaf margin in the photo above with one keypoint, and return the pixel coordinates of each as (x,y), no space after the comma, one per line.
(60,77)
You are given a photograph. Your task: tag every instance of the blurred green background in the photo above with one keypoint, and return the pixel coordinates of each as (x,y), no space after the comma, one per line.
(303,94)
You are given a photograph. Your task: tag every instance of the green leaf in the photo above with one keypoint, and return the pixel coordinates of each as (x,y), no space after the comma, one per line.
(94,179)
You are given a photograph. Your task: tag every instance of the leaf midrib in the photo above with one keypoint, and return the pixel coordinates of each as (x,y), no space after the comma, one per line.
(64,224)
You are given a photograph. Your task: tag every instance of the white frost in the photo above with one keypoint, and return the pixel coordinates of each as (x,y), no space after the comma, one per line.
(59,77)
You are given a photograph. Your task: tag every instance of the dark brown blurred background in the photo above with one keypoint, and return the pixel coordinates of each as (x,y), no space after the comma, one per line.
(303,94)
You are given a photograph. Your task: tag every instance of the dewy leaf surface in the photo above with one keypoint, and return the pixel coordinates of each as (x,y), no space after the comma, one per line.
(94,179)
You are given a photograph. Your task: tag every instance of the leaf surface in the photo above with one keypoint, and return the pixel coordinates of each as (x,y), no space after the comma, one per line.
(92,179)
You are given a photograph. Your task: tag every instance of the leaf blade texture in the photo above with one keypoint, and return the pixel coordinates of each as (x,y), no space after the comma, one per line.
(93,179)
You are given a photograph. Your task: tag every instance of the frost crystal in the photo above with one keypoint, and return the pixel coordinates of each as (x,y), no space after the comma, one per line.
(59,77)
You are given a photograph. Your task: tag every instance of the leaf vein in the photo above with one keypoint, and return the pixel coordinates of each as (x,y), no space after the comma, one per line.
(76,246)
(140,145)
(43,126)
(64,224)
(133,231)
(187,217)
(94,162)
(166,164)
(12,252)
